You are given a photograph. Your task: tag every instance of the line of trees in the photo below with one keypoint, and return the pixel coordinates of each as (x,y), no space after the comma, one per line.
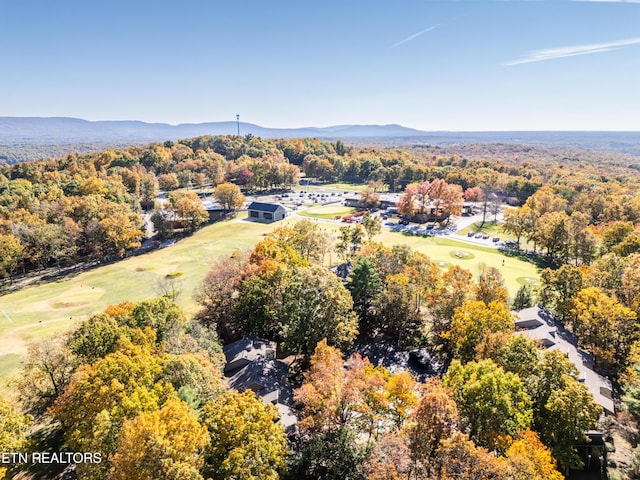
(85,206)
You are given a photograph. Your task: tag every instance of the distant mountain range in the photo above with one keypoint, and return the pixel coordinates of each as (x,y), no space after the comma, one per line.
(38,129)
(25,138)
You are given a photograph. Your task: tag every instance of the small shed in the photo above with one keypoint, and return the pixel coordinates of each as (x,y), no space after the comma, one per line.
(215,211)
(271,212)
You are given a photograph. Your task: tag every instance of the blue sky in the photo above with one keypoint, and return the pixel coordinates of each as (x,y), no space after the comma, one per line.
(431,65)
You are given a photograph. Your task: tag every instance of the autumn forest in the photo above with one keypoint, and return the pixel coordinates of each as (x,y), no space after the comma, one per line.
(145,385)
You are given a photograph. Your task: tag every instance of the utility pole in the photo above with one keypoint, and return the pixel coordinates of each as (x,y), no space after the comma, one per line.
(238,122)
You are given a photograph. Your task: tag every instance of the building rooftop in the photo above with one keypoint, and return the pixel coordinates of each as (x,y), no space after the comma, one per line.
(251,364)
(541,325)
(268,378)
(246,350)
(210,205)
(264,207)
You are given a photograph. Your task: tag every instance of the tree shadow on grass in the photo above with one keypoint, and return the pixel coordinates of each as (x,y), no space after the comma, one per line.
(540,261)
(48,437)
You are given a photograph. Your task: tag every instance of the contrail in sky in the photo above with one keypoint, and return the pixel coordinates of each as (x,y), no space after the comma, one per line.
(414,36)
(561,52)
(609,1)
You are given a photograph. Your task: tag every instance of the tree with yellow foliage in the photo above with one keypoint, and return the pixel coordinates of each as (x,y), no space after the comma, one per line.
(472,321)
(530,459)
(493,403)
(246,440)
(102,396)
(13,429)
(229,196)
(606,328)
(164,444)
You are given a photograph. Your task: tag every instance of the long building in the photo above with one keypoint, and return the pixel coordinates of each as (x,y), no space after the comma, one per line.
(541,325)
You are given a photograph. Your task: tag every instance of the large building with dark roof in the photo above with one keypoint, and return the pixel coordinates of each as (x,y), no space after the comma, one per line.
(270,212)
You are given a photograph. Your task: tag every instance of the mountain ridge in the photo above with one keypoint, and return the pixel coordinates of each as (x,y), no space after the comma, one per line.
(28,138)
(77,129)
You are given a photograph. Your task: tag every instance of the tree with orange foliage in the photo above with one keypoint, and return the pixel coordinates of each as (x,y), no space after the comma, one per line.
(406,203)
(450,293)
(433,421)
(369,198)
(491,286)
(446,198)
(458,458)
(389,460)
(336,394)
(329,394)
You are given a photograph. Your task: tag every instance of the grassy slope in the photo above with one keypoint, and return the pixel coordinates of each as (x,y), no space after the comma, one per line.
(43,310)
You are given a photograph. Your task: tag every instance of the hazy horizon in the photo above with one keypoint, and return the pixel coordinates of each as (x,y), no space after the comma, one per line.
(320,127)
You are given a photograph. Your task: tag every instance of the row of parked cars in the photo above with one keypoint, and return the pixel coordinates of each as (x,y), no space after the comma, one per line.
(482,236)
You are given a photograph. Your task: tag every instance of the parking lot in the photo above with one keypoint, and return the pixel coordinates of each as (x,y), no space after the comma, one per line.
(304,197)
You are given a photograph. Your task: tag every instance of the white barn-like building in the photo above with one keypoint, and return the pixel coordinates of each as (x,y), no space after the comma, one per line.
(270,212)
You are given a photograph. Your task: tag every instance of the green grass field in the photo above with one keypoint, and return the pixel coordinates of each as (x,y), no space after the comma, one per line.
(38,311)
(493,230)
(442,251)
(329,211)
(489,228)
(43,310)
(336,186)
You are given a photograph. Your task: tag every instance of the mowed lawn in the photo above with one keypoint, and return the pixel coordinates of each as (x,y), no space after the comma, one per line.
(494,230)
(475,258)
(43,310)
(327,211)
(336,186)
(488,228)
